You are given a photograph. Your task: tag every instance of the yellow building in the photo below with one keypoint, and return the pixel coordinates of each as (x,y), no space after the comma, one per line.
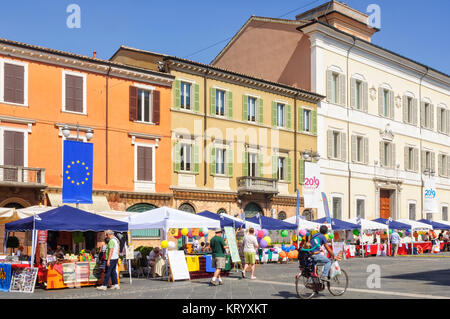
(237,140)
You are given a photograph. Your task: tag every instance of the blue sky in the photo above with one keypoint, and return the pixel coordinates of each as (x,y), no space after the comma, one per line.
(416,29)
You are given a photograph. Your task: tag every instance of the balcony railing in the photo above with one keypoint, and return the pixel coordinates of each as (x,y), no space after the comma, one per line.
(249,184)
(22,176)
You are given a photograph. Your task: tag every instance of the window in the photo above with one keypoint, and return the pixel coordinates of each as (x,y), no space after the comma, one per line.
(411,159)
(428,161)
(145,106)
(185,88)
(281,115)
(429,216)
(251,109)
(337,145)
(220,161)
(409,105)
(359,149)
(335,88)
(445,213)
(252,164)
(145,163)
(281,169)
(74,92)
(412,211)
(387,154)
(337,207)
(443,120)
(186,157)
(358,90)
(220,102)
(427,115)
(14,85)
(281,215)
(360,203)
(186,207)
(443,169)
(386,102)
(306,120)
(13,154)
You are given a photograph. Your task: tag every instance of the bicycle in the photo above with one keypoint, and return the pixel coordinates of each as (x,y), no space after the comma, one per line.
(308,282)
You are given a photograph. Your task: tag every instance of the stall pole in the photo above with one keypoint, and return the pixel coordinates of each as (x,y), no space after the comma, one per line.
(129,244)
(5,242)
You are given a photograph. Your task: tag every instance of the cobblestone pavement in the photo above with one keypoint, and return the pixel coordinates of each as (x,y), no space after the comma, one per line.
(426,276)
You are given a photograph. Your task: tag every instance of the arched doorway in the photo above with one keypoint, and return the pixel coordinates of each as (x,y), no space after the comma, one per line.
(222,211)
(252,209)
(14,205)
(186,207)
(307,213)
(143,233)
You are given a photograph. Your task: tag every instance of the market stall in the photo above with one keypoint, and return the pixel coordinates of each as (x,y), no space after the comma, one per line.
(271,223)
(224,220)
(166,218)
(68,270)
(367,229)
(303,223)
(247,223)
(416,228)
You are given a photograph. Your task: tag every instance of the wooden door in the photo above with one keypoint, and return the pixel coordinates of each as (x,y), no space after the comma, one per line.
(385,210)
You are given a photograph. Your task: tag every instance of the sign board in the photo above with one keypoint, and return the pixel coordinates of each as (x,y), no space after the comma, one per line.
(231,238)
(129,253)
(178,266)
(325,208)
(429,196)
(24,280)
(42,236)
(311,186)
(69,273)
(5,277)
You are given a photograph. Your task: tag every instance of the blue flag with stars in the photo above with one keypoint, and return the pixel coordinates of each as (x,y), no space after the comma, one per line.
(77,172)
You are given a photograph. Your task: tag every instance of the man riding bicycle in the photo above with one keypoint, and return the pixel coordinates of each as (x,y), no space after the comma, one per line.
(317,241)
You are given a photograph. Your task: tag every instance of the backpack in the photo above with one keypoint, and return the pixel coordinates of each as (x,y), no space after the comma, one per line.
(304,254)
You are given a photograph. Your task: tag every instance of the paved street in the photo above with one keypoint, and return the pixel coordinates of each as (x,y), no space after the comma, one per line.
(426,276)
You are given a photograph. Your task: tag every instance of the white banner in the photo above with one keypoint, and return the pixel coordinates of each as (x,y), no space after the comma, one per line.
(430,196)
(311,186)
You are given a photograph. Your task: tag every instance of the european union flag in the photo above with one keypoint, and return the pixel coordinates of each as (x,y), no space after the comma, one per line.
(77,172)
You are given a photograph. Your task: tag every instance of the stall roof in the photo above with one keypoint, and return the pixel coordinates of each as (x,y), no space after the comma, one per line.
(224,220)
(303,223)
(366,224)
(66,218)
(271,223)
(248,224)
(392,223)
(166,218)
(337,224)
(436,225)
(414,224)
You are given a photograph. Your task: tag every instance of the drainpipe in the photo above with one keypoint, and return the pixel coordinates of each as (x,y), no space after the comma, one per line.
(205,108)
(419,104)
(106,131)
(348,133)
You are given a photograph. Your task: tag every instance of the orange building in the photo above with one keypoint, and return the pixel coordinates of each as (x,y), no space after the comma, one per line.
(45,94)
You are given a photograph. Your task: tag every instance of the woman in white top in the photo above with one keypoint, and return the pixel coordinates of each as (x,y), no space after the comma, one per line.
(250,246)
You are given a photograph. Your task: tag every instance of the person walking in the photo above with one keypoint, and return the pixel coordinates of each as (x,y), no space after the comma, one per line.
(250,246)
(395,240)
(112,257)
(218,249)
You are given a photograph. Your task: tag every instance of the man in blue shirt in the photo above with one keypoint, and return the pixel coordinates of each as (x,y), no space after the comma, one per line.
(317,240)
(395,240)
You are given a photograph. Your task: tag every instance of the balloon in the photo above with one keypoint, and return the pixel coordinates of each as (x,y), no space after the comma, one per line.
(390,231)
(356,232)
(327,237)
(292,247)
(266,232)
(189,234)
(291,255)
(302,232)
(267,240)
(172,244)
(295,253)
(307,234)
(184,231)
(201,234)
(415,234)
(200,230)
(314,232)
(400,234)
(263,243)
(294,238)
(330,235)
(164,244)
(260,234)
(282,254)
(284,233)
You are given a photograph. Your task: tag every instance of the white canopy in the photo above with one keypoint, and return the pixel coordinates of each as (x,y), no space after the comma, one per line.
(247,223)
(166,218)
(303,223)
(368,224)
(445,222)
(415,225)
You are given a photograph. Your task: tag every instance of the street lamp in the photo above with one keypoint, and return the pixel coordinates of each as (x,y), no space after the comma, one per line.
(429,172)
(310,155)
(66,132)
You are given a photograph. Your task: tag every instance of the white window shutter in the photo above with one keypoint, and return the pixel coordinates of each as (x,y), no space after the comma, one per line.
(392,151)
(365,96)
(448,166)
(439,119)
(439,165)
(416,159)
(342,87)
(330,145)
(380,101)
(423,159)
(354,148)
(422,114)
(343,146)
(382,154)
(415,111)
(432,116)
(352,92)
(366,150)
(329,86)
(433,161)
(391,104)
(405,109)
(406,158)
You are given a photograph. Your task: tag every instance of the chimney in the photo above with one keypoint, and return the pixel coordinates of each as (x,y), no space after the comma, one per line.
(95,54)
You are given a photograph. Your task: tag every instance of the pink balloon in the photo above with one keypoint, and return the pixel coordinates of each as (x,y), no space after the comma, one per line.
(302,232)
(260,234)
(263,243)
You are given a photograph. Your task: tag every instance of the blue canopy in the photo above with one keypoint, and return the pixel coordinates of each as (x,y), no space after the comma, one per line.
(337,224)
(271,223)
(435,225)
(66,218)
(392,224)
(224,221)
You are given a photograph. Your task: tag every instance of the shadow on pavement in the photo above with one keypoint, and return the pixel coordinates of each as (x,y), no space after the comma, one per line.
(435,277)
(285,295)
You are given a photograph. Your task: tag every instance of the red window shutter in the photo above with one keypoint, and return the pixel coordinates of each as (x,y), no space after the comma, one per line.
(14,83)
(156,107)
(141,163)
(133,103)
(148,162)
(78,94)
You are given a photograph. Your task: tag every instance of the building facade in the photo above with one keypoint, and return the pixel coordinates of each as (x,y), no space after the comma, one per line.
(383,129)
(236,140)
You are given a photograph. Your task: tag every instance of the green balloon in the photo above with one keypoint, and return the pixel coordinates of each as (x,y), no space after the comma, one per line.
(356,232)
(330,235)
(284,233)
(400,234)
(390,231)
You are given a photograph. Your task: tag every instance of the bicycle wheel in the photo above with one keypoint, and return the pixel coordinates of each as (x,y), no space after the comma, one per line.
(338,285)
(304,286)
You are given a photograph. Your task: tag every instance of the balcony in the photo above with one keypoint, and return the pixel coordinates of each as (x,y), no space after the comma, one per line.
(261,185)
(18,176)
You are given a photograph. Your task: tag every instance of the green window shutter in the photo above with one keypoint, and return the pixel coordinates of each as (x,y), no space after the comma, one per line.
(245,166)
(212,101)
(177,94)
(274,113)
(230,162)
(260,165)
(275,167)
(229,104)
(176,157)
(300,120)
(260,111)
(288,117)
(196,160)
(143,233)
(212,163)
(301,171)
(289,170)
(196,98)
(314,122)
(244,108)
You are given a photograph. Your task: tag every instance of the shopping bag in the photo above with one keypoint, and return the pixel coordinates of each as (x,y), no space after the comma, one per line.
(335,270)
